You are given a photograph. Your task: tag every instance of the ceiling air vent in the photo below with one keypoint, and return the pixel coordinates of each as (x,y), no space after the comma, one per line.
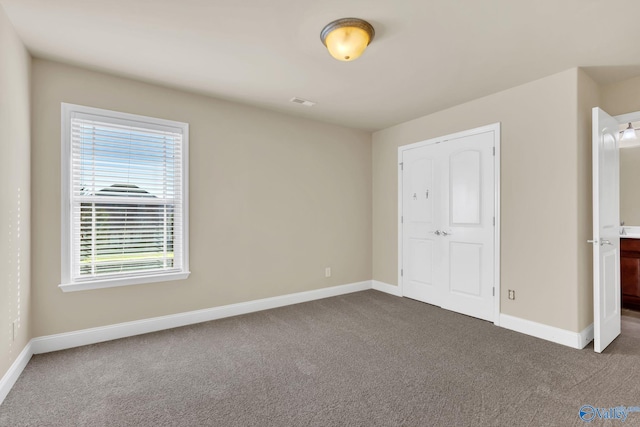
(301,101)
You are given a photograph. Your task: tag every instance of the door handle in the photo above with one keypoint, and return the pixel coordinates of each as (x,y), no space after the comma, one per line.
(444,233)
(592,241)
(437,232)
(605,242)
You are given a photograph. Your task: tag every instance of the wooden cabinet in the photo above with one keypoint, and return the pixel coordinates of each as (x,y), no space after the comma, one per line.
(630,273)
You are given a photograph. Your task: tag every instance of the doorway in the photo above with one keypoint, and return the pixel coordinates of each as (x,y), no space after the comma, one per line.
(630,221)
(612,239)
(449,222)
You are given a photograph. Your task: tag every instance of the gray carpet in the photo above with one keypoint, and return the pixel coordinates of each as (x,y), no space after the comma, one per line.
(364,359)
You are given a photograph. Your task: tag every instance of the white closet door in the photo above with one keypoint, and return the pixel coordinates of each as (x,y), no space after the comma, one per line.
(422,255)
(447,224)
(467,225)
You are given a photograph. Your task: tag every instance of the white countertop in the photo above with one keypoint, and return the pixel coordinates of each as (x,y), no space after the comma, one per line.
(630,232)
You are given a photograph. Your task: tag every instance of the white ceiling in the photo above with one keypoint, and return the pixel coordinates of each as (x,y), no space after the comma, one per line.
(427,54)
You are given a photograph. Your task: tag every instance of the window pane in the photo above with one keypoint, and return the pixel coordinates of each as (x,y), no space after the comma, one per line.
(117,237)
(126,189)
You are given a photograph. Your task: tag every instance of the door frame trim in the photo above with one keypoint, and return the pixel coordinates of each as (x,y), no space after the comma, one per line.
(495,128)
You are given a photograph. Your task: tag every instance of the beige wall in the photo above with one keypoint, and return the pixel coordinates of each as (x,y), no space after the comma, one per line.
(621,98)
(15,245)
(588,97)
(540,194)
(265,184)
(262,186)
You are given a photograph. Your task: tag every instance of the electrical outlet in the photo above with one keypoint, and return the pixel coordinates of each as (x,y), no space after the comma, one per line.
(512,294)
(327,272)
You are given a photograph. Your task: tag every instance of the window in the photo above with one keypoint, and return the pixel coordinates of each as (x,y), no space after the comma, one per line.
(124,199)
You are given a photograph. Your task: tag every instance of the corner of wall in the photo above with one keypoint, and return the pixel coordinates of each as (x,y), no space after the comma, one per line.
(621,97)
(15,216)
(588,96)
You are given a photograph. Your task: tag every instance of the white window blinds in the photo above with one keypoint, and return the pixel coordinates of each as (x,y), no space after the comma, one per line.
(127,199)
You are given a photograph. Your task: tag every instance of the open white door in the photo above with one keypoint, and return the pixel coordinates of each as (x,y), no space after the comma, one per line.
(606,230)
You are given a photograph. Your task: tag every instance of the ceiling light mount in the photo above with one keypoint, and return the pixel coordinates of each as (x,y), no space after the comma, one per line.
(347,38)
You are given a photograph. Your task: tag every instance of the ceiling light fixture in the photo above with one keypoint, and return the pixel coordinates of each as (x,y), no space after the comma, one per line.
(629,133)
(347,38)
(629,138)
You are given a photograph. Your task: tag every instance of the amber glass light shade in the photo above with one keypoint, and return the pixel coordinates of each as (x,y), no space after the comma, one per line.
(346,39)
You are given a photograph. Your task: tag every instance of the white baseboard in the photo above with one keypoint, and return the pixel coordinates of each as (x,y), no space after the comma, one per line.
(386,288)
(10,378)
(586,336)
(122,330)
(550,333)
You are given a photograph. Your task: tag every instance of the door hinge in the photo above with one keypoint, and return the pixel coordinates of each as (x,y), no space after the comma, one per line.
(494,292)
(401,165)
(494,221)
(402,220)
(494,151)
(401,272)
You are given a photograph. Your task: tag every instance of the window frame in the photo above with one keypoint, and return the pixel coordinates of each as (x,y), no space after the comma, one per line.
(135,278)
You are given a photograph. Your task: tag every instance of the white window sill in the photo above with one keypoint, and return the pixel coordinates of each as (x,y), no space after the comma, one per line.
(115,282)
